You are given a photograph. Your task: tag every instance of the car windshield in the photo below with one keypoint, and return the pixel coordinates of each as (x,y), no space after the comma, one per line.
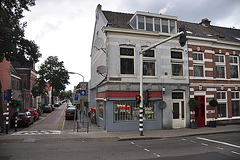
(47,106)
(71,110)
(21,114)
(30,110)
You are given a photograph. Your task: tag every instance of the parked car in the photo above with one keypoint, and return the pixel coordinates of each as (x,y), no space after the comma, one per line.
(34,113)
(70,113)
(23,119)
(57,104)
(47,109)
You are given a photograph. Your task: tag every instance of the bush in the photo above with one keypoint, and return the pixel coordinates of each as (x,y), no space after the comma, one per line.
(213,103)
(193,104)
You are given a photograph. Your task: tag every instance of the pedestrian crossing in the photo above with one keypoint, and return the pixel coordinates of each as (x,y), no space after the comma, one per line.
(37,132)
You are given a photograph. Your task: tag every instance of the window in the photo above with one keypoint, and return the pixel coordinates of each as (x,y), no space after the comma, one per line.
(198,71)
(219,58)
(149,24)
(140,22)
(149,63)
(221,95)
(233,66)
(130,112)
(157,24)
(235,104)
(165,25)
(198,56)
(127,60)
(100,109)
(172,26)
(177,63)
(222,104)
(222,110)
(220,71)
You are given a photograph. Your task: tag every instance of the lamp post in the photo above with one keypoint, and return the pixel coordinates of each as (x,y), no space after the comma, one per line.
(141,52)
(77,74)
(82,101)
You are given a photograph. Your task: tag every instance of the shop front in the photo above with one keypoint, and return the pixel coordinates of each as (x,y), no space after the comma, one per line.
(122,113)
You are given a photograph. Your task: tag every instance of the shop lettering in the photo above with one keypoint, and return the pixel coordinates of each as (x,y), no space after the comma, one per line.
(124,107)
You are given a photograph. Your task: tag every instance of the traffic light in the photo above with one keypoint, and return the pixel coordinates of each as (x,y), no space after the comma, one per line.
(9,95)
(147,97)
(182,37)
(138,99)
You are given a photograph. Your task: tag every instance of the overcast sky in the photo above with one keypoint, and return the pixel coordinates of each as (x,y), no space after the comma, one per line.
(64,28)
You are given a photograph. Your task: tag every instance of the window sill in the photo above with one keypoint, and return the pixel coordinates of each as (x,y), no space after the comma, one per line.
(178,77)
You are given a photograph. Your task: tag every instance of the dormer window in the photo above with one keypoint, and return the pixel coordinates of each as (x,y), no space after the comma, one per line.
(154,22)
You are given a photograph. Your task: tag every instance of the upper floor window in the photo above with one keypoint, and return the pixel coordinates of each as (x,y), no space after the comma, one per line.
(221,95)
(198,71)
(127,60)
(177,63)
(220,66)
(157,24)
(198,56)
(233,66)
(149,63)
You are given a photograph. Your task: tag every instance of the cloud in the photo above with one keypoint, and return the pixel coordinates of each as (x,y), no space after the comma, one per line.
(166,8)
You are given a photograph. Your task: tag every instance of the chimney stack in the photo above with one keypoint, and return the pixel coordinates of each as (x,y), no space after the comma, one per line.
(205,22)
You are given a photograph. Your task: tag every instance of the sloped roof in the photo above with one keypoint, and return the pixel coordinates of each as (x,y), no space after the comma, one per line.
(121,20)
(13,71)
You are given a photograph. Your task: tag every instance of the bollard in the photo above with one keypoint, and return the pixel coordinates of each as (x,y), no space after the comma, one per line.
(15,124)
(7,118)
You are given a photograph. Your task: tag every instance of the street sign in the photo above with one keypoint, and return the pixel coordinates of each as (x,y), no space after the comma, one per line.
(83,86)
(83,93)
(76,99)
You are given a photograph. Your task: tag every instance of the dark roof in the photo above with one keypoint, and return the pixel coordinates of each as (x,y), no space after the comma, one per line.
(13,71)
(118,20)
(121,20)
(16,64)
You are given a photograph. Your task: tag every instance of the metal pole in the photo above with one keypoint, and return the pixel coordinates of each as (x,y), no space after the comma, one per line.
(7,118)
(141,52)
(16,124)
(141,95)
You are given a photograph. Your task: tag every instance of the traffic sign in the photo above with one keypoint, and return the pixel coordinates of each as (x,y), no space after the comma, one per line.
(83,86)
(76,97)
(83,93)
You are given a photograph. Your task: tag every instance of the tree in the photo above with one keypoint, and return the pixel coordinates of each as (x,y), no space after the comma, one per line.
(13,45)
(65,95)
(54,73)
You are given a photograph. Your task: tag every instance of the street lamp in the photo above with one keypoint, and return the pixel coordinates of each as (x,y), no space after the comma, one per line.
(141,52)
(77,74)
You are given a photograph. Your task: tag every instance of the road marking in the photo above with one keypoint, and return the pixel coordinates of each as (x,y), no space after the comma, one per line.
(156,154)
(204,144)
(235,153)
(36,132)
(193,141)
(214,141)
(132,143)
(220,148)
(146,150)
(184,139)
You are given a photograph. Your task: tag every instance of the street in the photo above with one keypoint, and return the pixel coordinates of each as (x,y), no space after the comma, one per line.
(46,140)
(207,147)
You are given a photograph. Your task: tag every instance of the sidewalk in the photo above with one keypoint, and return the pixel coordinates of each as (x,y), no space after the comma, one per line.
(96,132)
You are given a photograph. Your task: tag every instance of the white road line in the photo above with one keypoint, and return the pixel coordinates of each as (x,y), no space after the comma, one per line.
(193,141)
(156,154)
(132,143)
(146,150)
(204,144)
(184,139)
(224,143)
(235,153)
(220,148)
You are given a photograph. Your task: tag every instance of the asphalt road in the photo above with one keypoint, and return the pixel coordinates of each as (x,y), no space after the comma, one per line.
(207,147)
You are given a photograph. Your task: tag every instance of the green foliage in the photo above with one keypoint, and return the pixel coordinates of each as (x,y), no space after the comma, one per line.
(65,95)
(193,104)
(13,45)
(54,73)
(213,103)
(15,103)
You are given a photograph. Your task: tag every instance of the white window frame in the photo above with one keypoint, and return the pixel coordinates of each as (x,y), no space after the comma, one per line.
(194,70)
(235,98)
(223,101)
(152,60)
(177,61)
(220,64)
(234,64)
(127,57)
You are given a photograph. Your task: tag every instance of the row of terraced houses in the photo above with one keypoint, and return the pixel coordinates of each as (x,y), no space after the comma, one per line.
(206,68)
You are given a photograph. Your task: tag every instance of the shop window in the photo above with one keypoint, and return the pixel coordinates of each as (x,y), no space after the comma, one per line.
(100,109)
(127,60)
(235,104)
(149,63)
(233,66)
(130,112)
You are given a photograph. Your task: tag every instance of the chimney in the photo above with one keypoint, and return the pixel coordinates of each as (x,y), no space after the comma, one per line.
(205,22)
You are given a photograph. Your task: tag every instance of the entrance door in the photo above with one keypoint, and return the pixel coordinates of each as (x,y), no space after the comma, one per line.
(178,114)
(200,111)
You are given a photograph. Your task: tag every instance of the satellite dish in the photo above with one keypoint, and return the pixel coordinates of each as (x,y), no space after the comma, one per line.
(99,43)
(102,70)
(162,104)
